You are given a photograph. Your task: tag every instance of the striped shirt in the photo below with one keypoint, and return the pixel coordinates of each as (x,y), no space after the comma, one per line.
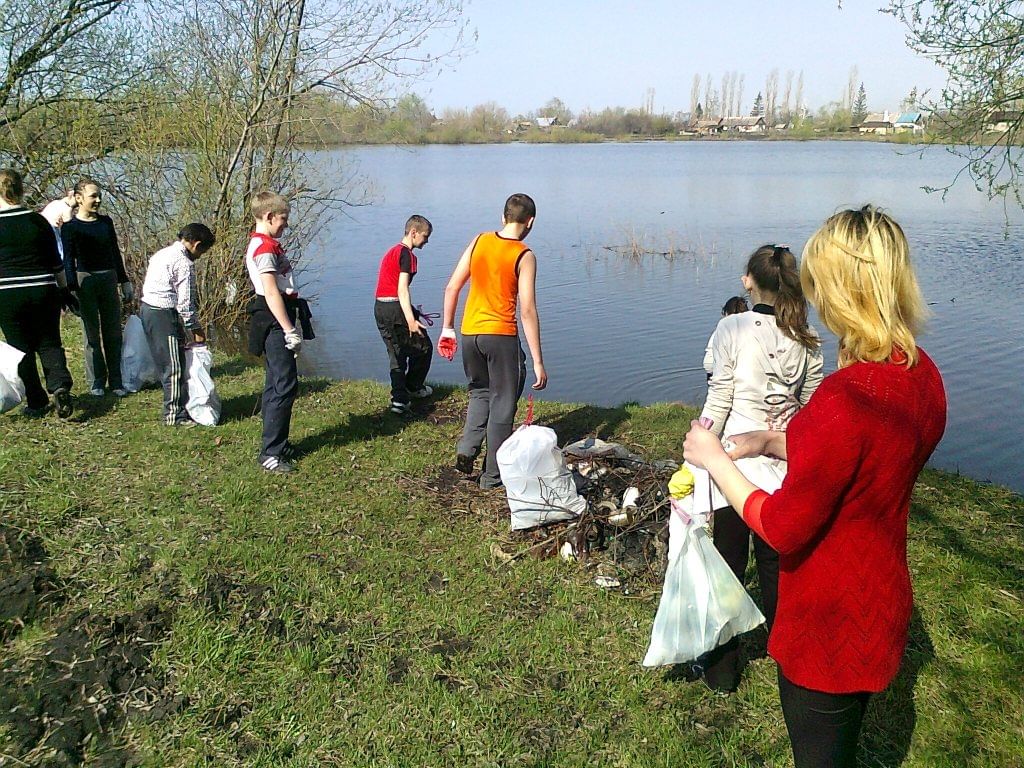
(28,250)
(171,283)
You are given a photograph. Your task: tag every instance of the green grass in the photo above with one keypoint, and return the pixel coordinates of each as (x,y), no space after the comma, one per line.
(350,615)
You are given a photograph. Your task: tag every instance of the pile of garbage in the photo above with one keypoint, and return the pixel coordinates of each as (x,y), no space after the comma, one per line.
(616,522)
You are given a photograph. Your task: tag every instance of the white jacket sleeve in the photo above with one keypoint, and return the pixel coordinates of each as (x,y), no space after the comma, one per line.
(709,357)
(815,373)
(720,389)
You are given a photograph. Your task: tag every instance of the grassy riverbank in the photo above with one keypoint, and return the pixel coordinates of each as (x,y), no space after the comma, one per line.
(165,603)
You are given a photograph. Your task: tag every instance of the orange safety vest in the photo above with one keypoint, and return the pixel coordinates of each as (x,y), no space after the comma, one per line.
(493,286)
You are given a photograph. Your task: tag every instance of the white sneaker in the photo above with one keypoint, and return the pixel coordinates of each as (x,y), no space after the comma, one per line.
(97,392)
(425,391)
(121,392)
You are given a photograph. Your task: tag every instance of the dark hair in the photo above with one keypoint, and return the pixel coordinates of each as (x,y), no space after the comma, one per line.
(735,305)
(519,209)
(12,188)
(419,224)
(197,233)
(773,268)
(84,182)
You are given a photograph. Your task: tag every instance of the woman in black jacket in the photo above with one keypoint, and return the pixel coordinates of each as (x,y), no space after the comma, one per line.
(95,269)
(31,289)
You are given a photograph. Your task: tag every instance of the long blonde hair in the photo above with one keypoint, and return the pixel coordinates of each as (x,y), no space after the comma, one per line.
(856,271)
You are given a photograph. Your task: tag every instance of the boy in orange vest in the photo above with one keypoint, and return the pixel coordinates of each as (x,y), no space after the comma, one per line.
(502,273)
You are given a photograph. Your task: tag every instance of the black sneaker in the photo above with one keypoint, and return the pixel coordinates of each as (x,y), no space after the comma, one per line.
(276,465)
(401,409)
(464,464)
(62,402)
(36,413)
(288,453)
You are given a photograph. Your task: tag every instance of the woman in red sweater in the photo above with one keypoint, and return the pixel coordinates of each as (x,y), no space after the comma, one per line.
(839,521)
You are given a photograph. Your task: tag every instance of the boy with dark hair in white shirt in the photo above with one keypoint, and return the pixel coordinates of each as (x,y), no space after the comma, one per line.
(169,315)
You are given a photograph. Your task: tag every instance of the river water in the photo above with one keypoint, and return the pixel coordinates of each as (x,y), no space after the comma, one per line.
(618,329)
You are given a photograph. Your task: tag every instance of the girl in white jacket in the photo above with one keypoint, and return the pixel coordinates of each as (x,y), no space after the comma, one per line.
(767,364)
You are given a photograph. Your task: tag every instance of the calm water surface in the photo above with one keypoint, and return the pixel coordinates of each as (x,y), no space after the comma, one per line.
(617,330)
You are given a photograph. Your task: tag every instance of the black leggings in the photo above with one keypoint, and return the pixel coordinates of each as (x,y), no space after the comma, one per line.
(823,727)
(732,537)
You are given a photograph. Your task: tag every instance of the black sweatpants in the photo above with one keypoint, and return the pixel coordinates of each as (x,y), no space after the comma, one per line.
(495,368)
(101,327)
(732,539)
(823,727)
(279,391)
(30,320)
(166,337)
(409,354)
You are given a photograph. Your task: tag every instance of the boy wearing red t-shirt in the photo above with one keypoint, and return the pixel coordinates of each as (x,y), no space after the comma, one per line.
(409,348)
(272,326)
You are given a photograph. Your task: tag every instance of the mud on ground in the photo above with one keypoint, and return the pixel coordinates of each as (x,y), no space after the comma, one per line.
(71,695)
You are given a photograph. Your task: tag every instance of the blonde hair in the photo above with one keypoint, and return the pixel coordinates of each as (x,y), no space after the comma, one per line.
(266,202)
(856,271)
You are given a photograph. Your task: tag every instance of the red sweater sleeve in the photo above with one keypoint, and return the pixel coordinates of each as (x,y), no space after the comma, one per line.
(823,450)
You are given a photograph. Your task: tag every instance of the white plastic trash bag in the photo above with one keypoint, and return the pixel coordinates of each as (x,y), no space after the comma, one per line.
(539,487)
(12,388)
(203,402)
(137,366)
(703,604)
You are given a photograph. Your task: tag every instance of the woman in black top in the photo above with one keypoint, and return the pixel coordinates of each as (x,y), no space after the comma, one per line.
(94,266)
(30,298)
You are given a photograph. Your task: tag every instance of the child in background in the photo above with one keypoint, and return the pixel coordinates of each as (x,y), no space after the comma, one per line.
(272,330)
(733,306)
(95,268)
(59,211)
(502,273)
(405,339)
(169,315)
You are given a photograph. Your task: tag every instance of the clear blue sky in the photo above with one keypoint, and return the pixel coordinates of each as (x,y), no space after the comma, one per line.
(598,53)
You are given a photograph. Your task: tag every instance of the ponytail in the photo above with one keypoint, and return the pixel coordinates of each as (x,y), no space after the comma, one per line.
(774,269)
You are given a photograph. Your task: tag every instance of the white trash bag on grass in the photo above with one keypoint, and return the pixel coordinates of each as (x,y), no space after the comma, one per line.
(203,402)
(12,388)
(539,487)
(703,604)
(137,366)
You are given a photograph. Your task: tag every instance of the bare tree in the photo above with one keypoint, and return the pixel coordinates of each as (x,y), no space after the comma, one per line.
(979,110)
(798,101)
(710,107)
(694,95)
(236,111)
(771,95)
(787,93)
(63,96)
(738,102)
(850,94)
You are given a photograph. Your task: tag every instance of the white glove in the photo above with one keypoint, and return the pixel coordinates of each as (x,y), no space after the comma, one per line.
(127,291)
(293,340)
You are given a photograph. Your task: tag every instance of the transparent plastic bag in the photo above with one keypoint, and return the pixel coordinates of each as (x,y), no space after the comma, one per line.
(539,487)
(703,604)
(203,402)
(12,388)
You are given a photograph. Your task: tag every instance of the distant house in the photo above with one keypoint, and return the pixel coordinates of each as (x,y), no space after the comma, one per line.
(1000,122)
(782,126)
(909,122)
(708,127)
(749,124)
(546,123)
(878,123)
